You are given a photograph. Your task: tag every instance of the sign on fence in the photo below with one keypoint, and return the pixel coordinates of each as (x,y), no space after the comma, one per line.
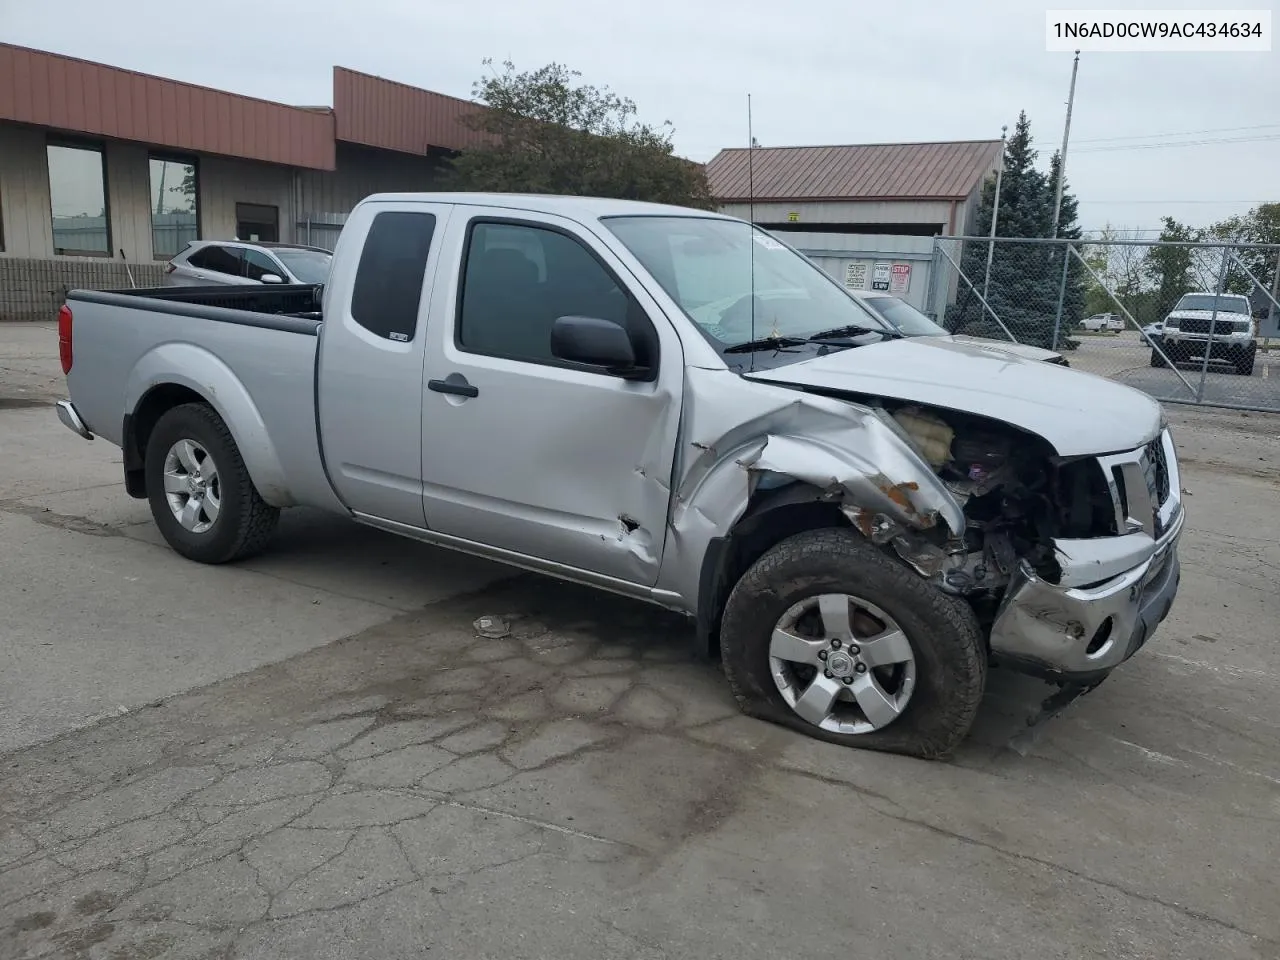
(901,279)
(855,276)
(880,276)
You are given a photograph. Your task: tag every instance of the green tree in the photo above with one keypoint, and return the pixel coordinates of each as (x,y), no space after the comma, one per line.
(1259,225)
(1172,270)
(547,133)
(1026,278)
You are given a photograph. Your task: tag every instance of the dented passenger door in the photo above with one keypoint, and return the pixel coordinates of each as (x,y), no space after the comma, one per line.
(524,454)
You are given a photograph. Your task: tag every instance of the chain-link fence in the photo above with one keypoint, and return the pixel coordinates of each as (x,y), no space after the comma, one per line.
(1184,322)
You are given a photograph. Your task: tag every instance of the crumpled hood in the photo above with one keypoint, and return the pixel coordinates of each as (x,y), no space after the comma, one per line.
(1008,346)
(1076,413)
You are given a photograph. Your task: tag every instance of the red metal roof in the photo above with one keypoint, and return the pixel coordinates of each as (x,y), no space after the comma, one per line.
(395,116)
(77,96)
(880,171)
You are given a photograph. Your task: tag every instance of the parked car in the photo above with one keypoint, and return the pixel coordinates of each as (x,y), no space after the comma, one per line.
(911,322)
(857,522)
(206,262)
(1222,324)
(1154,329)
(1103,321)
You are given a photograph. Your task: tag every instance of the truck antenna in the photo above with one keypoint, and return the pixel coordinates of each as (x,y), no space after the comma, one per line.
(751,216)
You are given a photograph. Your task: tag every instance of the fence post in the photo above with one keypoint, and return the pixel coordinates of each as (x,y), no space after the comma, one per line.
(931,291)
(1213,322)
(1062,294)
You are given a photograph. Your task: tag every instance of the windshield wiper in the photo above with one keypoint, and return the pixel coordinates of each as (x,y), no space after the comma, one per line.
(767,343)
(852,330)
(837,337)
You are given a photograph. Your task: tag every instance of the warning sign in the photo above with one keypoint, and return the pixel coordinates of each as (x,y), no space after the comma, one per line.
(855,276)
(901,278)
(880,277)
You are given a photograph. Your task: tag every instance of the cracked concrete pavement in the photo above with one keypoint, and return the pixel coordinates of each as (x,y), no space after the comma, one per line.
(401,787)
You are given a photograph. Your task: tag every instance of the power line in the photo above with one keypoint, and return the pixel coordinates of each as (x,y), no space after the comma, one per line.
(1183,133)
(1175,201)
(1182,143)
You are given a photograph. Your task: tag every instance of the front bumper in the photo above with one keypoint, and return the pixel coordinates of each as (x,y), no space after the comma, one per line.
(1113,591)
(69,417)
(1182,347)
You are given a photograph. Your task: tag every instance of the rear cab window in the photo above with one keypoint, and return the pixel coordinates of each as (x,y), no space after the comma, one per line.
(393,264)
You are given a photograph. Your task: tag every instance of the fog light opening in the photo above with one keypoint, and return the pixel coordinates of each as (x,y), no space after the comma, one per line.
(1100,637)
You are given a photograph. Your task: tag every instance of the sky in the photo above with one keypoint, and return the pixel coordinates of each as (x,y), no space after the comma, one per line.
(818,71)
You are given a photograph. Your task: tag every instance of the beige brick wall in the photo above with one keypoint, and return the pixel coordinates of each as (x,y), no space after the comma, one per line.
(32,289)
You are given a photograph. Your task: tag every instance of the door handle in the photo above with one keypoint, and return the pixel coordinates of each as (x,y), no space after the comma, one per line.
(456,384)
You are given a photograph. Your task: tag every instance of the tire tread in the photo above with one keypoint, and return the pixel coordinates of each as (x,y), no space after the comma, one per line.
(807,555)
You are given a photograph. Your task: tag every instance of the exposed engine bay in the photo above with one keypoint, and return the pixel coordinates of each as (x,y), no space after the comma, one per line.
(1017,496)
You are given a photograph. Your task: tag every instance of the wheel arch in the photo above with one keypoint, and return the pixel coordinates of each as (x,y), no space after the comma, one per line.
(770,517)
(176,373)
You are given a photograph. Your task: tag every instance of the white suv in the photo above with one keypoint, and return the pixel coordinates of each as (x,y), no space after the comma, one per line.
(1102,321)
(208,262)
(1187,334)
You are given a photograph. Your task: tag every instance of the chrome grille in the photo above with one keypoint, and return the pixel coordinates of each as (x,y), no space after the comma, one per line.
(1144,486)
(1157,470)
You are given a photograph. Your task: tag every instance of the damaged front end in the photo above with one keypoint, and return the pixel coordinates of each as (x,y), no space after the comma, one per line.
(1069,562)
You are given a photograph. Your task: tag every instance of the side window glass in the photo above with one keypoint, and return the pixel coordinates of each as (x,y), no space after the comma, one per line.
(520,279)
(389,278)
(220,259)
(257,263)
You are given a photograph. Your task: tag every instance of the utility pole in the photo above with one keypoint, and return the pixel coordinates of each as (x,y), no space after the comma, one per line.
(995,214)
(1062,157)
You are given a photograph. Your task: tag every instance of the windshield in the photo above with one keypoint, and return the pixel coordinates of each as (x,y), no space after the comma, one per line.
(309,266)
(904,316)
(706,266)
(1205,301)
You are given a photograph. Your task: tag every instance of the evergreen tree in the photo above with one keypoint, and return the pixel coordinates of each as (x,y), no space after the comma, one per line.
(1026,278)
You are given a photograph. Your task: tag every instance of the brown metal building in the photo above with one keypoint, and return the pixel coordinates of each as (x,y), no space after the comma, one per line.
(101,162)
(867,214)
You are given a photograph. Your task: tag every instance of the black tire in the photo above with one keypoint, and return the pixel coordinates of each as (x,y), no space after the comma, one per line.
(1157,360)
(945,639)
(244,523)
(1244,366)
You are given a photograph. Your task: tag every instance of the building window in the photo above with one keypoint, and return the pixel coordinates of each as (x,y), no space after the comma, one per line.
(78,198)
(393,264)
(174,206)
(257,223)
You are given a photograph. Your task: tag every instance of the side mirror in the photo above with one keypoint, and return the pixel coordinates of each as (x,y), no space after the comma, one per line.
(596,342)
(271,278)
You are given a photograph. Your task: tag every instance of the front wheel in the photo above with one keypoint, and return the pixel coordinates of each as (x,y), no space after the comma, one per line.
(1244,366)
(829,635)
(200,493)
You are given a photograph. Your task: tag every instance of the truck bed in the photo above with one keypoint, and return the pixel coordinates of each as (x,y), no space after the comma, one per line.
(250,352)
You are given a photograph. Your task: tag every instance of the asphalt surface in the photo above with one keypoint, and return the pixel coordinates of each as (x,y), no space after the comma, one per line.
(364,776)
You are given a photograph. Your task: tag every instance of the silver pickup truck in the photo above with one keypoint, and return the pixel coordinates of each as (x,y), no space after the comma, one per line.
(674,406)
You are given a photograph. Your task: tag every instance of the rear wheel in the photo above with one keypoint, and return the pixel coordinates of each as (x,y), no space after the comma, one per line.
(1157,360)
(830,636)
(201,496)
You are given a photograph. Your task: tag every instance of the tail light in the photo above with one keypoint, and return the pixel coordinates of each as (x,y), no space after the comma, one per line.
(64,338)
